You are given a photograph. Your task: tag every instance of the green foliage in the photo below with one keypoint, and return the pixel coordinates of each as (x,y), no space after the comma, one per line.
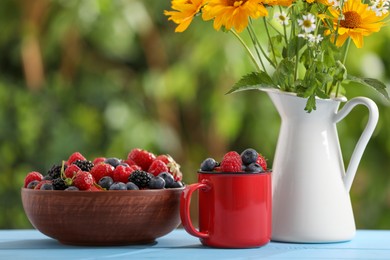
(254,80)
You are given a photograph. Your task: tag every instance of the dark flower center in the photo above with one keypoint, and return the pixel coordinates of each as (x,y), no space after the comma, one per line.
(351,20)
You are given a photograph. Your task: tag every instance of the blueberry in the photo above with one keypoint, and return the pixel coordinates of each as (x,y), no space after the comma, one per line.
(32,184)
(254,167)
(177,184)
(131,186)
(156,183)
(47,186)
(113,161)
(249,156)
(72,188)
(105,182)
(168,178)
(208,165)
(118,186)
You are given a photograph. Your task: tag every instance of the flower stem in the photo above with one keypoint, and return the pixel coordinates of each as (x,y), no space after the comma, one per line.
(269,37)
(248,50)
(256,48)
(346,50)
(344,60)
(257,43)
(293,34)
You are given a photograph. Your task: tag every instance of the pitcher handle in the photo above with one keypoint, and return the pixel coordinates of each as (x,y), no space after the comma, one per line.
(364,138)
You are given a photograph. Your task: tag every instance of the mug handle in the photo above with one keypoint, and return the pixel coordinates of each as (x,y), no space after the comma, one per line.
(185,201)
(373,116)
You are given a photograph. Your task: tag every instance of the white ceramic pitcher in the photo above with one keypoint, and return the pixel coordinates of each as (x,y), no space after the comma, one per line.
(311,202)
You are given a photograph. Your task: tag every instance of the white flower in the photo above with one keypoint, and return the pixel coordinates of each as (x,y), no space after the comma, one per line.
(380,7)
(307,23)
(336,3)
(311,37)
(304,35)
(282,18)
(315,38)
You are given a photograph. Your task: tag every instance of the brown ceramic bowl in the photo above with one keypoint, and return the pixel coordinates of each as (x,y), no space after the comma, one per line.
(103,217)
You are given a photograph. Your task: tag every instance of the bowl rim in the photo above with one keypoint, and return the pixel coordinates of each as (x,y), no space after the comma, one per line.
(107,191)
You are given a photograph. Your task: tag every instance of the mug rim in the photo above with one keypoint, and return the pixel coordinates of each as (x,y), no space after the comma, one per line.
(268,172)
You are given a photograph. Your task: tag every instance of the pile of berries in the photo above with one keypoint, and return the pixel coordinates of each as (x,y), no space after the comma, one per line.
(141,170)
(249,161)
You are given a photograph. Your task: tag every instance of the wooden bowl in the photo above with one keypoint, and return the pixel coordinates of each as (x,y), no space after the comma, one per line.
(103,218)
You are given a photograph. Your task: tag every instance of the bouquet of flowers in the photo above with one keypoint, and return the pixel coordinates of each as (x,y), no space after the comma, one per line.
(297,46)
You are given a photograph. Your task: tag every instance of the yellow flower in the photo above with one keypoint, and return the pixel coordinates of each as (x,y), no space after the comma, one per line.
(185,12)
(278,2)
(233,13)
(359,20)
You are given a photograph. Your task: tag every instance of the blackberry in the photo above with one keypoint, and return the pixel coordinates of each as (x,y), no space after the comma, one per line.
(59,184)
(140,178)
(54,172)
(84,165)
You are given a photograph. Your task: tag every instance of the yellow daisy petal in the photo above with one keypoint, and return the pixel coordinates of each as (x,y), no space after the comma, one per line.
(358,21)
(233,13)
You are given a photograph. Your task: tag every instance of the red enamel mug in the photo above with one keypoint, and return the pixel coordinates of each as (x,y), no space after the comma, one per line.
(235,209)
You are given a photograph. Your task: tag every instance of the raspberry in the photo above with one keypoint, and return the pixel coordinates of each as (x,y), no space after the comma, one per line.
(74,157)
(142,158)
(231,162)
(98,160)
(157,167)
(173,167)
(163,157)
(262,162)
(102,169)
(121,173)
(71,170)
(32,176)
(135,167)
(83,180)
(130,162)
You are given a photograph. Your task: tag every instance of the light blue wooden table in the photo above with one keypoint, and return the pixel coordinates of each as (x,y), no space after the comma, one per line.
(31,244)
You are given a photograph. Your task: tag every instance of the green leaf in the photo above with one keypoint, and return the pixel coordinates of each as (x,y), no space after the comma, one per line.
(277,43)
(254,80)
(291,50)
(311,104)
(370,82)
(284,74)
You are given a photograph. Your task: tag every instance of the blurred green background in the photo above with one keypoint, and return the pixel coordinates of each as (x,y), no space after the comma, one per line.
(102,77)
